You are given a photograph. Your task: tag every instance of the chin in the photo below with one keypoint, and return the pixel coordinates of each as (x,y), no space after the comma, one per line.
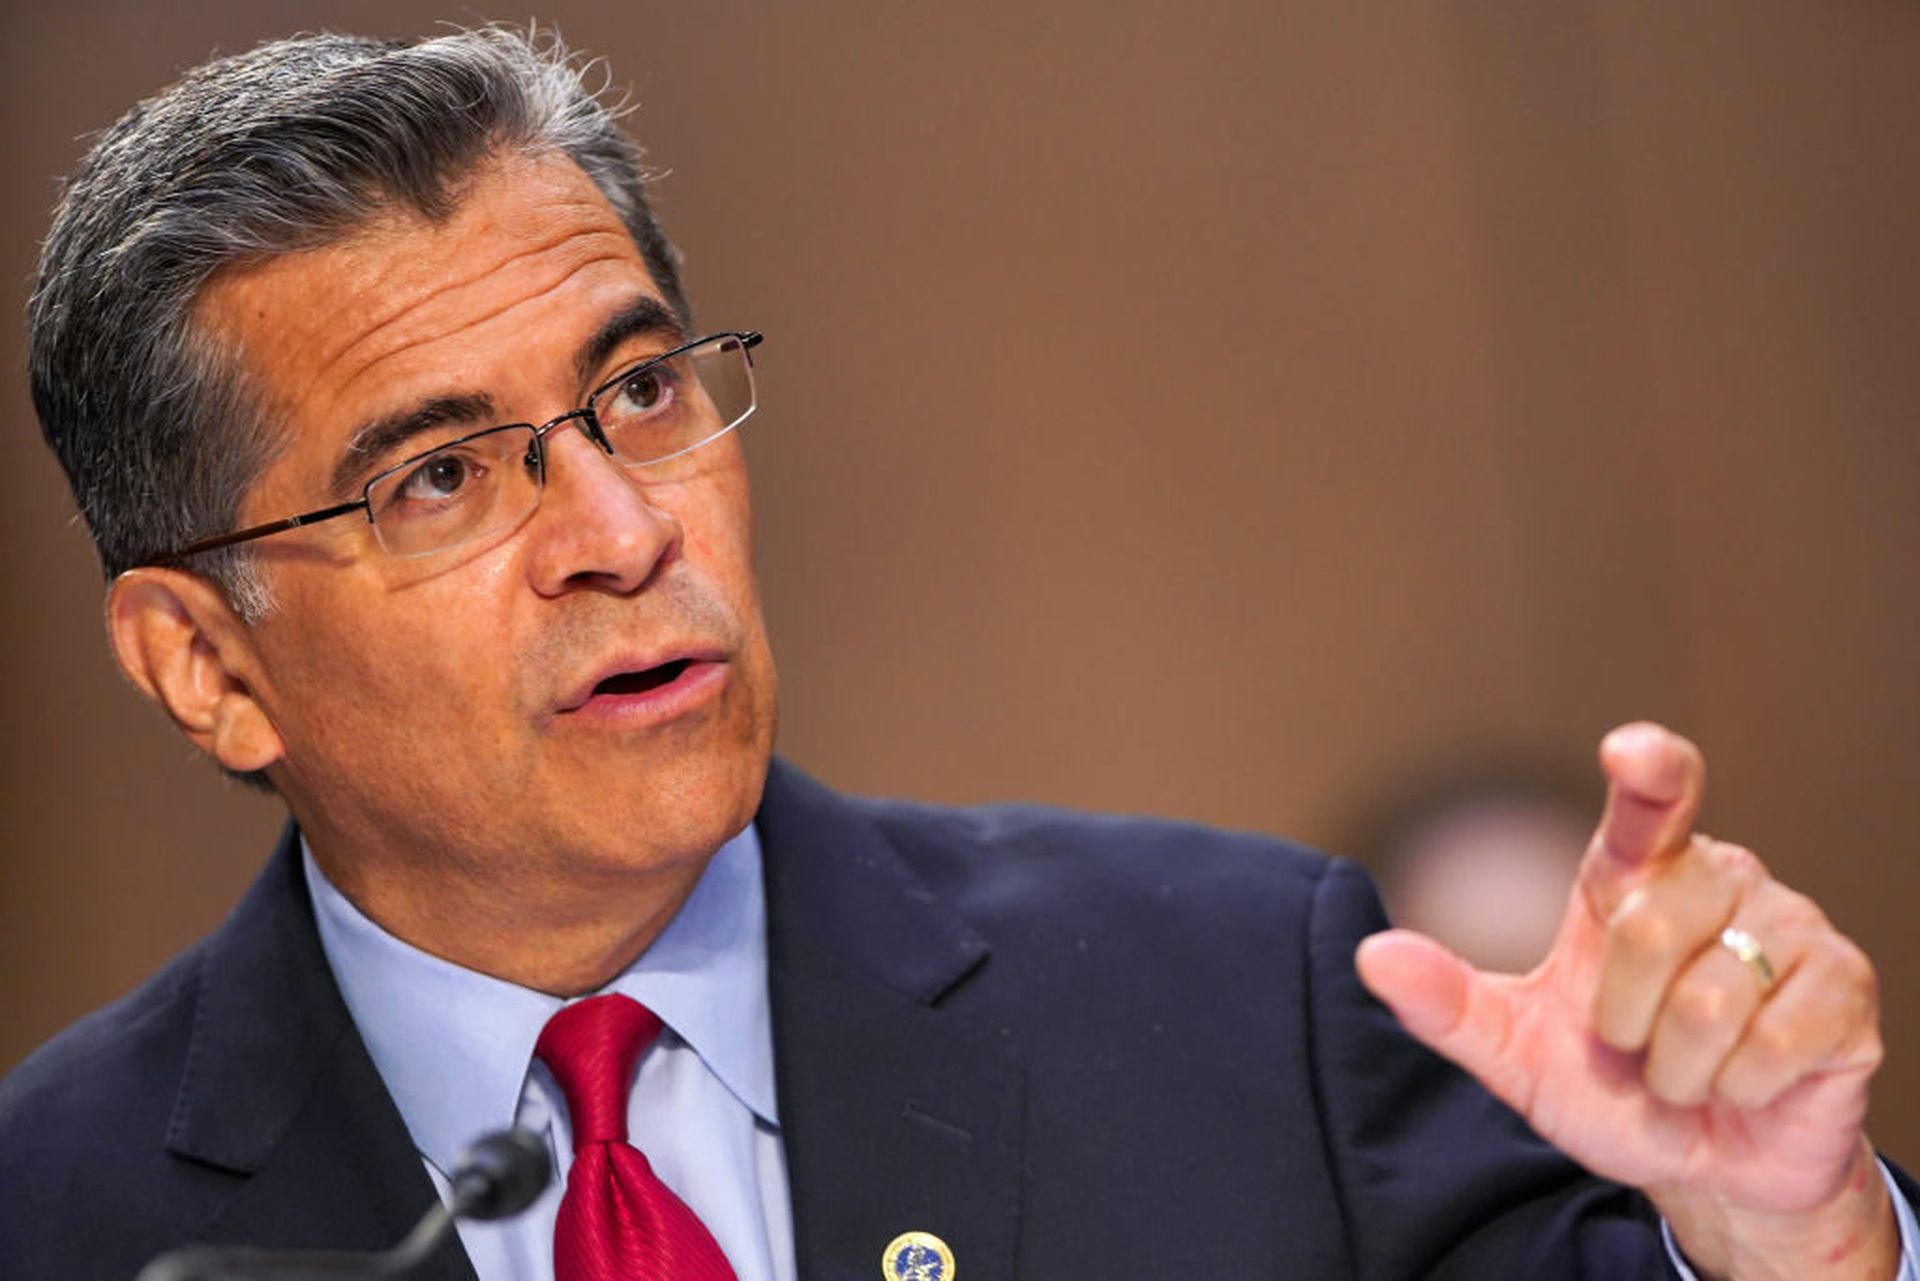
(679,810)
(675,793)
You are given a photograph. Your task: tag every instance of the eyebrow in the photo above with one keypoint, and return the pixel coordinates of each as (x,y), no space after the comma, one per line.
(377,439)
(644,317)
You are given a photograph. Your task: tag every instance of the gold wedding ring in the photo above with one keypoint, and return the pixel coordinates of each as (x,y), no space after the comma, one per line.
(1747,948)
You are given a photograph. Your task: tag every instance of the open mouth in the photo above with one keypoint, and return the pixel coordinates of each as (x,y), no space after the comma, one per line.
(643,695)
(643,682)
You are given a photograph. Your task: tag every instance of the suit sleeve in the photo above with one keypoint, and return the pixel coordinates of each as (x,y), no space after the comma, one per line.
(1434,1177)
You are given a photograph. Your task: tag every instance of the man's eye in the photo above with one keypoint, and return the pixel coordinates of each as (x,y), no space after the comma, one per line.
(646,392)
(439,477)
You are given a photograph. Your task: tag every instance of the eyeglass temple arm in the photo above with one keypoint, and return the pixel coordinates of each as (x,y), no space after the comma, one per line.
(259,531)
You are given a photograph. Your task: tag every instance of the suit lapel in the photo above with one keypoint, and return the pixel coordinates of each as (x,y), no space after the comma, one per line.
(898,1111)
(278,1088)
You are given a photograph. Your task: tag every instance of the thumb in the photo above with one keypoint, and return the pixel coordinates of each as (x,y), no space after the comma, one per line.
(1445,1003)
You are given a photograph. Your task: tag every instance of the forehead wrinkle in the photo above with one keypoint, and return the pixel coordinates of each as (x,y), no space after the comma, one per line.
(616,252)
(363,372)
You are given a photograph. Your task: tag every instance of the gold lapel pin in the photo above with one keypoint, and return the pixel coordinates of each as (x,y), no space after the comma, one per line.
(917,1256)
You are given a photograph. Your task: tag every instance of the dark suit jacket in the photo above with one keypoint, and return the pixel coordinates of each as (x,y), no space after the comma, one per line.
(1075,1048)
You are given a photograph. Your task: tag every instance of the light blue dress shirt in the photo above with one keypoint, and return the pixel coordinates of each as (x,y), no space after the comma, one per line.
(455,1049)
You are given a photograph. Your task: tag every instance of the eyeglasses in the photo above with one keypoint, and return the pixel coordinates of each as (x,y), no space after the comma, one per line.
(652,413)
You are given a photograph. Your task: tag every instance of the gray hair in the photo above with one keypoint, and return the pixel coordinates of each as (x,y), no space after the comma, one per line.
(291,146)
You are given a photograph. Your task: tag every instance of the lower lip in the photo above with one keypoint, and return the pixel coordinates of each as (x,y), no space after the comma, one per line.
(696,685)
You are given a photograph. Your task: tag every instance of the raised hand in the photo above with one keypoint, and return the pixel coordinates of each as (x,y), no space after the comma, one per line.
(1660,1051)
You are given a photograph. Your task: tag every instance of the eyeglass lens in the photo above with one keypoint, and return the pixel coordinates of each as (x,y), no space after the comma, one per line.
(651,414)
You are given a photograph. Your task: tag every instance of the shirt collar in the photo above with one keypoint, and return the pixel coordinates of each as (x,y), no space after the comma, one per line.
(454,1045)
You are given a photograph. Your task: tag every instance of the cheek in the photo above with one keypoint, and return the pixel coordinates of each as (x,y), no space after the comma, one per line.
(718,536)
(718,530)
(375,674)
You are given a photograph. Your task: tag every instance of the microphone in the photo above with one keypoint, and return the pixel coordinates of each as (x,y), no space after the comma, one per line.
(500,1175)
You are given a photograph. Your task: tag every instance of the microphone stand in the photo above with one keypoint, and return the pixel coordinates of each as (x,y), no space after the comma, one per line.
(243,1263)
(498,1177)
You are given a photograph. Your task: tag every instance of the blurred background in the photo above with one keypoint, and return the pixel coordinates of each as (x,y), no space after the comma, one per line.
(1241,411)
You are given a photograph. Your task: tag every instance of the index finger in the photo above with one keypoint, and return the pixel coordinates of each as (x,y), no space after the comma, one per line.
(1655,781)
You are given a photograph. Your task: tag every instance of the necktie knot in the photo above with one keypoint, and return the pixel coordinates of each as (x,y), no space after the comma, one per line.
(617,1221)
(591,1047)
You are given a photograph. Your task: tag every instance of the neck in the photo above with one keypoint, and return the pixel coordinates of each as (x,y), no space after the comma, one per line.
(564,933)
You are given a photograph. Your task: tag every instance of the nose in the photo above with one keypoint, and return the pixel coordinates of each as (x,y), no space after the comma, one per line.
(597,526)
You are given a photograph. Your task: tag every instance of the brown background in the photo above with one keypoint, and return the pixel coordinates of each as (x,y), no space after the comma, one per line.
(1210,409)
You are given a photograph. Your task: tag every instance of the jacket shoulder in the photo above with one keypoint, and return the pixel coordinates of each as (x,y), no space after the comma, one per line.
(87,1068)
(1051,890)
(1052,852)
(84,1116)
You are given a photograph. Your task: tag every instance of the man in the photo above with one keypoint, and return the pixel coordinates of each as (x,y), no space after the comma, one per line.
(420,502)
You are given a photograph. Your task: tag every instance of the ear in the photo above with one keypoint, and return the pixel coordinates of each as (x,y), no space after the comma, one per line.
(178,639)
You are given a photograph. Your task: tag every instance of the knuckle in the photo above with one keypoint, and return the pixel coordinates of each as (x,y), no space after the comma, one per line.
(1837,960)
(1738,862)
(1793,910)
(1743,1086)
(1873,1051)
(1666,1091)
(1661,1078)
(1869,985)
(1645,929)
(1700,1007)
(1672,1081)
(1772,1044)
(1857,967)
(1617,1025)
(1857,988)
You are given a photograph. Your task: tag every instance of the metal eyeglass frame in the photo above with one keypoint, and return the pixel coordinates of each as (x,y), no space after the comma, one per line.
(590,427)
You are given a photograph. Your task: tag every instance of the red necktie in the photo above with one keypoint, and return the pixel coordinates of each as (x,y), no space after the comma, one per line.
(618,1221)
